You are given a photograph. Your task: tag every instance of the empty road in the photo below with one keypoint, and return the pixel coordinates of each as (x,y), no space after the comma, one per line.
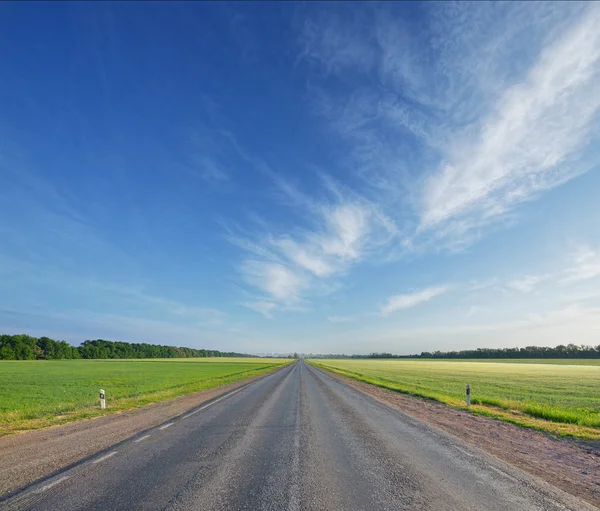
(297,439)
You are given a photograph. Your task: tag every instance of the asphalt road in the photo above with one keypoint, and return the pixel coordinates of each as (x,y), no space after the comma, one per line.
(297,439)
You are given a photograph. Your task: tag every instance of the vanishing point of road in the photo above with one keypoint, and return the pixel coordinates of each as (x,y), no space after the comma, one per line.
(297,439)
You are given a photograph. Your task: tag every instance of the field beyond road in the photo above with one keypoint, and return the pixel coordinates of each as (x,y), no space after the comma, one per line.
(554,396)
(40,393)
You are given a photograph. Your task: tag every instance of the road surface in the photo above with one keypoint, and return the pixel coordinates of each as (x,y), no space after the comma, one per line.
(297,439)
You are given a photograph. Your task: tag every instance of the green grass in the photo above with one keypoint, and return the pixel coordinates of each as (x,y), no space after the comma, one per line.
(40,393)
(551,361)
(559,397)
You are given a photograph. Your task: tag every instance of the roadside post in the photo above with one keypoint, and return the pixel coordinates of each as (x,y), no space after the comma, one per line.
(102,400)
(468,395)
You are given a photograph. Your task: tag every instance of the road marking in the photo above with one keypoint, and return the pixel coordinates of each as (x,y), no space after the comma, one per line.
(166,426)
(294,491)
(214,402)
(106,456)
(50,485)
(143,438)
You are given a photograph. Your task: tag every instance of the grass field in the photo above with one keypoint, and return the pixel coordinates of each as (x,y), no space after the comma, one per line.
(41,393)
(559,397)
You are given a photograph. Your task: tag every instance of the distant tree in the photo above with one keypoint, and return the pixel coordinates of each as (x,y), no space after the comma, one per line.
(25,347)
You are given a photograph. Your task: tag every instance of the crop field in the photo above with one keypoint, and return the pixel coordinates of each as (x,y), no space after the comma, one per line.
(41,393)
(561,397)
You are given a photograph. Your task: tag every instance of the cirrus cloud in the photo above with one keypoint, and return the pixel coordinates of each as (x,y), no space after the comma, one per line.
(405,301)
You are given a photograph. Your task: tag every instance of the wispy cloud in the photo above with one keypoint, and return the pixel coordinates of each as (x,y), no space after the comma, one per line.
(304,257)
(332,234)
(339,237)
(332,41)
(406,301)
(496,112)
(479,285)
(206,168)
(341,319)
(262,307)
(585,265)
(525,144)
(438,163)
(527,283)
(275,279)
(212,154)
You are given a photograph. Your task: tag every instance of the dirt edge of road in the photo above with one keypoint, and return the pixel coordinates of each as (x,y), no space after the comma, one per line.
(32,455)
(572,466)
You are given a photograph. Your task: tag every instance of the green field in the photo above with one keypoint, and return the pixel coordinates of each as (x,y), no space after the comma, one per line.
(41,393)
(559,396)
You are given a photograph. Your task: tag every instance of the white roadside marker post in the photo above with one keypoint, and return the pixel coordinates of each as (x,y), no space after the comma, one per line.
(468,395)
(102,400)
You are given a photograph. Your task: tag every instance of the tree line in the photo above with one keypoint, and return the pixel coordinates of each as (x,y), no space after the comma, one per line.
(561,351)
(26,347)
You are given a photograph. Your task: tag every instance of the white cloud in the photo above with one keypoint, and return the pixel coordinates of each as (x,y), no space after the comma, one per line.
(527,283)
(211,171)
(304,257)
(347,227)
(262,307)
(332,43)
(504,97)
(399,302)
(336,234)
(277,280)
(524,146)
(585,266)
(211,154)
(340,319)
(479,285)
(499,111)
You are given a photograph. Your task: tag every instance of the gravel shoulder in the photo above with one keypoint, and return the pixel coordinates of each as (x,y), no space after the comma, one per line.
(572,466)
(29,456)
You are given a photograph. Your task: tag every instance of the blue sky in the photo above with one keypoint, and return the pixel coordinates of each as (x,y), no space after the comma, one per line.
(301,177)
